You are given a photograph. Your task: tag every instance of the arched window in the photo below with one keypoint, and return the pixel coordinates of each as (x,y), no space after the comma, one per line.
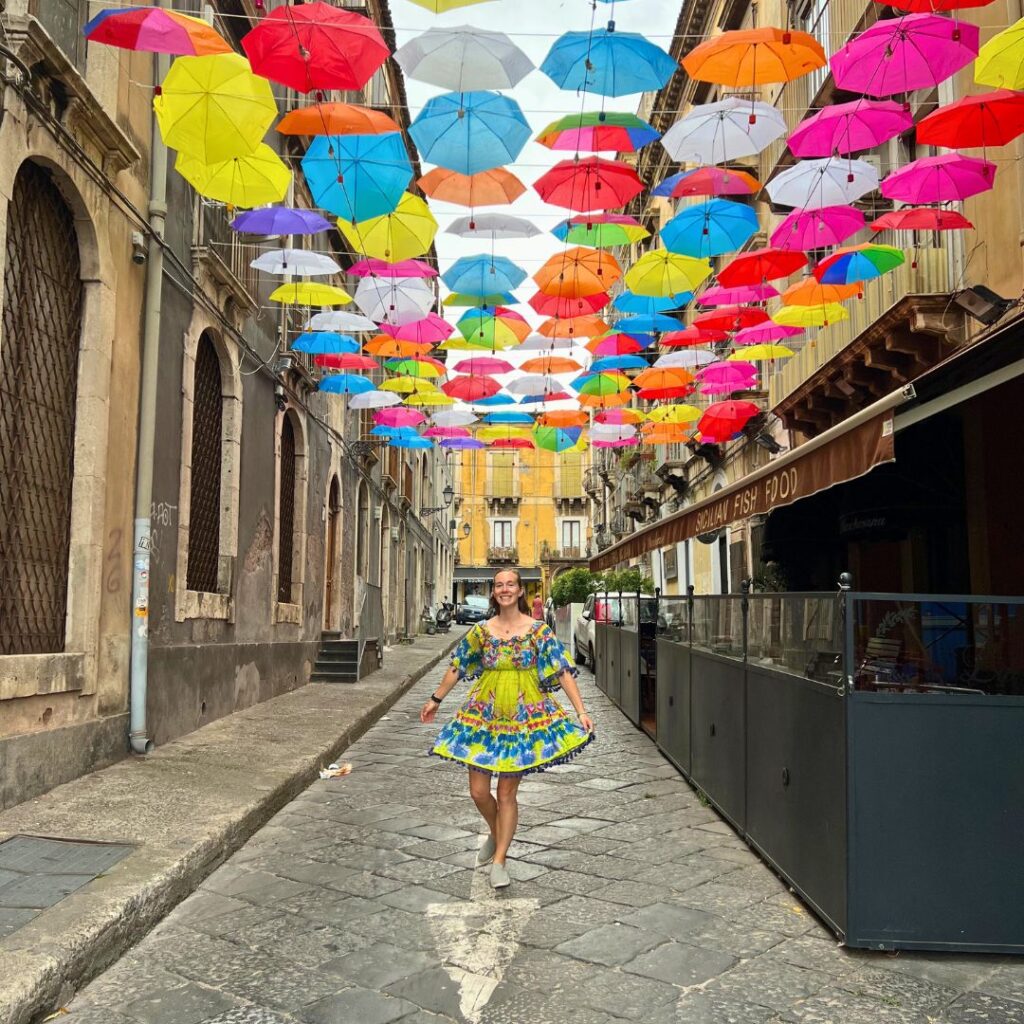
(205,496)
(42,324)
(286,512)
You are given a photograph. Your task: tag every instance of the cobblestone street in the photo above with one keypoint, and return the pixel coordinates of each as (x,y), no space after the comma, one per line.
(631,901)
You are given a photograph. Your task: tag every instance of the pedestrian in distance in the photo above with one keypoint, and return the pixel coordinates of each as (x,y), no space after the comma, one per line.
(510,724)
(538,608)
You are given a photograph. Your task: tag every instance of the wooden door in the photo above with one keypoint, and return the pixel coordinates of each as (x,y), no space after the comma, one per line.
(330,565)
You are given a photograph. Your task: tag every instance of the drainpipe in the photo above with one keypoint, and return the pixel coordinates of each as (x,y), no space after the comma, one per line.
(138,728)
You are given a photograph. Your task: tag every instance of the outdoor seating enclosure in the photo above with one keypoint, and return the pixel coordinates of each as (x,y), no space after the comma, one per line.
(870,747)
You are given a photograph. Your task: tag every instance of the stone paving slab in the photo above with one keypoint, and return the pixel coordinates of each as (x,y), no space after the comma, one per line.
(182,811)
(631,902)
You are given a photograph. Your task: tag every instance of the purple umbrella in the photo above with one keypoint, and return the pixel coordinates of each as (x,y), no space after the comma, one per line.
(939,179)
(850,127)
(622,442)
(739,296)
(818,229)
(765,334)
(279,220)
(917,51)
(461,443)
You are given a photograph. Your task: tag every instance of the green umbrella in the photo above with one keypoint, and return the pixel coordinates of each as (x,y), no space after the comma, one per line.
(600,383)
(556,439)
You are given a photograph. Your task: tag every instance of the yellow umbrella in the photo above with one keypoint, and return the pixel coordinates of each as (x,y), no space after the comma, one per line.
(429,398)
(408,385)
(748,352)
(1000,61)
(440,6)
(310,293)
(810,316)
(660,273)
(214,107)
(679,413)
(503,432)
(403,234)
(244,181)
(457,344)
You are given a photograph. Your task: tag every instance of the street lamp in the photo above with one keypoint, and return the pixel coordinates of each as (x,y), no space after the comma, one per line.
(447,494)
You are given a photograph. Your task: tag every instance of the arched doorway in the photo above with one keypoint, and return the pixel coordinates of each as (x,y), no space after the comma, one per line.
(331,552)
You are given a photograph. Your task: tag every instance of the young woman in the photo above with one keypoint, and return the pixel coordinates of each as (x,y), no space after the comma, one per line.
(509,725)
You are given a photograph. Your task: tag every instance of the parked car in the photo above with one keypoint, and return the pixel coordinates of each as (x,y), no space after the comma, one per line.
(549,612)
(612,608)
(473,609)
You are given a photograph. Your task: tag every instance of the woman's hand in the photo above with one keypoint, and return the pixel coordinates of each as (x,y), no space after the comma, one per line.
(428,711)
(587,722)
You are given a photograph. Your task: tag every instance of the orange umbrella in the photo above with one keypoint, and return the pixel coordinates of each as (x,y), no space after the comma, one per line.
(665,433)
(496,187)
(630,416)
(661,378)
(756,56)
(810,292)
(578,272)
(563,418)
(336,119)
(605,401)
(574,327)
(382,345)
(550,364)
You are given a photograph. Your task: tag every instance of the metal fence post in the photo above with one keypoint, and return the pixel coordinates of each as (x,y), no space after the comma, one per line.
(689,614)
(846,621)
(745,612)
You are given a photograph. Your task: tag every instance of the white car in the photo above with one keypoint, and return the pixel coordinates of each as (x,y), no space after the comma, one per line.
(613,608)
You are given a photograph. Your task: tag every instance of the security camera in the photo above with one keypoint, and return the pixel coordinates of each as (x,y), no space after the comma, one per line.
(139,251)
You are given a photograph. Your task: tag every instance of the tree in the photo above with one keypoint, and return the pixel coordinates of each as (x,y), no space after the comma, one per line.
(573,587)
(628,581)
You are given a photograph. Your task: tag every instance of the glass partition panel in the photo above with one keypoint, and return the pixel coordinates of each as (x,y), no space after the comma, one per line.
(718,625)
(939,644)
(673,620)
(798,633)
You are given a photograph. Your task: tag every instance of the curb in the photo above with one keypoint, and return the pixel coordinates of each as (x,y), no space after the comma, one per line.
(45,988)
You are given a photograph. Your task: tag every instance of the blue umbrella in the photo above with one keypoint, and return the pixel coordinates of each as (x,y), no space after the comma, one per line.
(280,220)
(710,229)
(507,417)
(499,398)
(647,323)
(607,63)
(470,132)
(357,177)
(346,384)
(456,300)
(630,303)
(618,363)
(411,442)
(325,343)
(382,431)
(483,275)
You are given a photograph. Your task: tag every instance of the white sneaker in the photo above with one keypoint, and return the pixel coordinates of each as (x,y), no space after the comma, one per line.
(499,877)
(486,852)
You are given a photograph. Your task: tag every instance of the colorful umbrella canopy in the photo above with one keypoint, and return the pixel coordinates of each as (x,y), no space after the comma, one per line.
(811,292)
(660,272)
(324,342)
(811,316)
(715,133)
(496,187)
(722,420)
(499,398)
(499,330)
(357,177)
(759,265)
(408,385)
(453,418)
(459,443)
(441,6)
(416,366)
(446,432)
(940,179)
(992,119)
(803,230)
(598,131)
(477,365)
(310,293)
(858,263)
(429,330)
(646,323)
(535,386)
(599,384)
(737,296)
(315,46)
(295,261)
(400,235)
(563,418)
(578,272)
(336,119)
(214,108)
(395,300)
(663,379)
(381,268)
(470,388)
(455,299)
(345,361)
(556,439)
(155,30)
(730,318)
(693,336)
(550,364)
(620,416)
(566,308)
(339,320)
(921,219)
(491,227)
(708,181)
(615,344)
(762,352)
(382,345)
(765,334)
(678,413)
(630,303)
(483,274)
(687,358)
(508,418)
(279,220)
(924,6)
(428,399)
(602,230)
(243,181)
(345,384)
(1000,61)
(710,228)
(605,62)
(589,184)
(850,127)
(812,184)
(373,400)
(470,132)
(463,59)
(620,362)
(916,51)
(410,442)
(605,401)
(756,56)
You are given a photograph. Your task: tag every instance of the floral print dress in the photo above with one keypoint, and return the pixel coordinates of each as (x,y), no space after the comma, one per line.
(509,724)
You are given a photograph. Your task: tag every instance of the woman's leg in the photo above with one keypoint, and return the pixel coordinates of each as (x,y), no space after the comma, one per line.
(480,791)
(508,814)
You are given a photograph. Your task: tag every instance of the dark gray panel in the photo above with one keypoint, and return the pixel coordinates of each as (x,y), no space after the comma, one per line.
(674,703)
(35,855)
(629,674)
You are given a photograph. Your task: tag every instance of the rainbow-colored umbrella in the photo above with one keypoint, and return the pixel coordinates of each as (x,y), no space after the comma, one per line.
(155,30)
(858,263)
(598,131)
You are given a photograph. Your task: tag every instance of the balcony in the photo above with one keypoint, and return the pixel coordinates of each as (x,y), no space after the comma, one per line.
(503,556)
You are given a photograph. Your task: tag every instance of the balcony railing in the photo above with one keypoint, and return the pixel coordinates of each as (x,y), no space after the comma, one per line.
(503,555)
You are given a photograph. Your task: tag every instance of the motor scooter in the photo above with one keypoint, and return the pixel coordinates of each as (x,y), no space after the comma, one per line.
(443,619)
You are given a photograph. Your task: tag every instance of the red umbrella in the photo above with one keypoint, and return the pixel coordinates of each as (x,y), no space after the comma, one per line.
(921,219)
(659,394)
(991,119)
(512,442)
(346,361)
(692,336)
(759,265)
(564,308)
(723,419)
(469,389)
(592,183)
(315,46)
(730,318)
(927,6)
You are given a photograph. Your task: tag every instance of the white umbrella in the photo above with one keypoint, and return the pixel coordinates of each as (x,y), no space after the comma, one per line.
(534,384)
(612,431)
(464,58)
(373,400)
(295,261)
(812,184)
(492,226)
(538,343)
(394,300)
(716,132)
(453,418)
(339,320)
(686,358)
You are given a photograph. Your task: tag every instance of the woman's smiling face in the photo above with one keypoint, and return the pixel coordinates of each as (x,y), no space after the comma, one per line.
(507,590)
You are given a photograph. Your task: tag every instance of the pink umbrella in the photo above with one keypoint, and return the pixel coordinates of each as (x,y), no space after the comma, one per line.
(483,365)
(431,329)
(850,127)
(917,51)
(727,388)
(624,442)
(765,334)
(718,296)
(446,432)
(940,179)
(381,268)
(818,229)
(398,417)
(726,373)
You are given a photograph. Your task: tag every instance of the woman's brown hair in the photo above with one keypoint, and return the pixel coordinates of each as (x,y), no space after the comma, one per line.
(492,608)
